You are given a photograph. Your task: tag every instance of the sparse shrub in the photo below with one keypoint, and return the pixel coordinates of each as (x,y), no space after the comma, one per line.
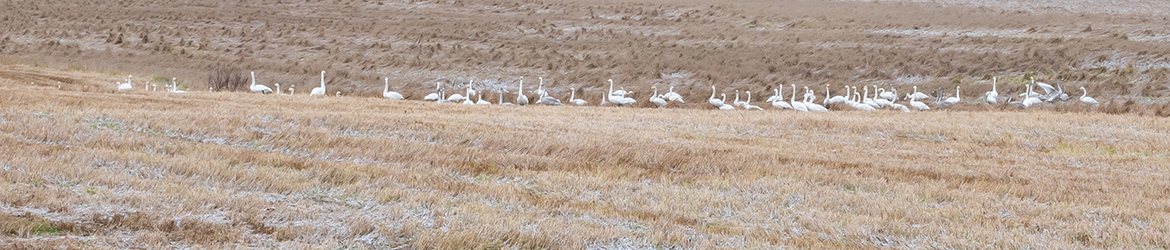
(226,78)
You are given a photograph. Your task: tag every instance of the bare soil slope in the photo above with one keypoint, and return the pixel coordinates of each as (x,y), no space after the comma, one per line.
(1114,49)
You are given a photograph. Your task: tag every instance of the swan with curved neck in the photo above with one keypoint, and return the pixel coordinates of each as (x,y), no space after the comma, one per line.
(386,93)
(717,103)
(259,89)
(799,106)
(1085,99)
(655,99)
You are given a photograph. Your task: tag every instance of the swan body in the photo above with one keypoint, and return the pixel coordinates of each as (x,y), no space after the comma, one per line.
(672,96)
(737,102)
(887,95)
(319,91)
(501,100)
(834,99)
(899,107)
(726,106)
(386,93)
(812,106)
(1030,99)
(798,106)
(259,89)
(434,96)
(951,101)
(126,86)
(914,103)
(540,89)
(713,101)
(918,95)
(521,99)
(574,100)
(992,96)
(481,101)
(175,86)
(655,99)
(1085,99)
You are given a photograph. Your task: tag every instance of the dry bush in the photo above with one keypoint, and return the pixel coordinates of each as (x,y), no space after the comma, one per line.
(225,78)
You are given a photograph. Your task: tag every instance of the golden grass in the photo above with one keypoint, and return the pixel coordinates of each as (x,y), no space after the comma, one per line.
(226,170)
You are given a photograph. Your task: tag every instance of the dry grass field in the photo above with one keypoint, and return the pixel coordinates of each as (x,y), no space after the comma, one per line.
(87,167)
(138,169)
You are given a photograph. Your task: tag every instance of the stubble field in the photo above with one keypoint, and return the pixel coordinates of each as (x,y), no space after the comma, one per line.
(86,166)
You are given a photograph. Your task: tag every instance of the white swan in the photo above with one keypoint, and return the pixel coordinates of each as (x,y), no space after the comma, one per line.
(153,87)
(798,106)
(386,93)
(459,98)
(672,96)
(261,89)
(737,102)
(1031,98)
(481,101)
(834,99)
(725,106)
(521,99)
(914,103)
(951,101)
(126,85)
(655,99)
(540,92)
(291,90)
(574,100)
(319,91)
(859,105)
(866,100)
(887,95)
(882,101)
(470,91)
(277,88)
(779,101)
(812,106)
(918,95)
(1086,99)
(717,103)
(775,95)
(619,99)
(467,100)
(434,96)
(992,96)
(175,86)
(501,100)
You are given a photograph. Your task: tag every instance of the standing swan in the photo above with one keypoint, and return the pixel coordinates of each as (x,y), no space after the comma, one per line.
(993,95)
(390,94)
(319,91)
(713,101)
(521,99)
(572,98)
(1086,99)
(798,106)
(260,89)
(655,99)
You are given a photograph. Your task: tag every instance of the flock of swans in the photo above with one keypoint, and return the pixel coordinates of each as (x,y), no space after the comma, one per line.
(852,99)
